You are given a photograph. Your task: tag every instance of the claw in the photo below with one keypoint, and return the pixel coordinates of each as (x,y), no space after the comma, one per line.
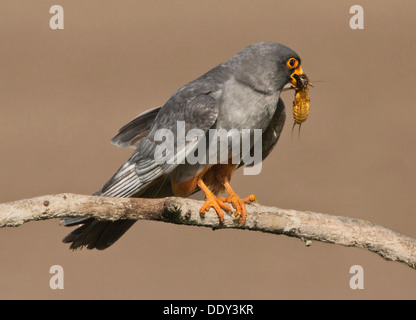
(251,198)
(212,201)
(217,205)
(238,204)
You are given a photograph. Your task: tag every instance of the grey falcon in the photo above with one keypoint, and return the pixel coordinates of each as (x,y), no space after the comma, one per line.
(243,92)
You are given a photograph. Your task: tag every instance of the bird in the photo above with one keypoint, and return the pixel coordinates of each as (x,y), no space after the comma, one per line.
(242,92)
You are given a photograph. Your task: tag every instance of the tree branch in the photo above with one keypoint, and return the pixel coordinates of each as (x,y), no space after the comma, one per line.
(306,226)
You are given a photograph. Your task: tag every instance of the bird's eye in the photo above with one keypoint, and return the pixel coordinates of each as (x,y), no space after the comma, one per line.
(292,63)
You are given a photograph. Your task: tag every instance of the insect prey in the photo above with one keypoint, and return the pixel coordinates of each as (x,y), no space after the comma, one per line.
(301,102)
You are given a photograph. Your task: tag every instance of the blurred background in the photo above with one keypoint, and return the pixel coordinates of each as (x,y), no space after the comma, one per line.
(65,93)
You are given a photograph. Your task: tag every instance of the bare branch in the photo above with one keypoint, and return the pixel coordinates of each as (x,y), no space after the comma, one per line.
(306,226)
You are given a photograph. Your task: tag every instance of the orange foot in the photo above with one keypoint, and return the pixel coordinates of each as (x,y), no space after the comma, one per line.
(212,202)
(238,204)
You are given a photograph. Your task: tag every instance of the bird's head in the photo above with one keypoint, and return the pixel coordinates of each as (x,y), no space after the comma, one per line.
(267,66)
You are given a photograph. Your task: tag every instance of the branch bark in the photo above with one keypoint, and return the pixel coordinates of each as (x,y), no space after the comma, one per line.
(306,226)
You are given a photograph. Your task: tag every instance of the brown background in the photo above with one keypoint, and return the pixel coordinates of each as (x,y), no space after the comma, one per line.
(65,93)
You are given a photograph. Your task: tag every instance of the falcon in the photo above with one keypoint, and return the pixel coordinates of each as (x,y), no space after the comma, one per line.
(241,93)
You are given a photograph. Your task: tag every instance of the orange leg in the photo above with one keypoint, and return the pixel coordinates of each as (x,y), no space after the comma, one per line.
(238,204)
(212,202)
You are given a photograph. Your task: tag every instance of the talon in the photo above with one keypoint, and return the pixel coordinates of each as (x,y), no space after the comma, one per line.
(238,204)
(250,198)
(212,201)
(217,205)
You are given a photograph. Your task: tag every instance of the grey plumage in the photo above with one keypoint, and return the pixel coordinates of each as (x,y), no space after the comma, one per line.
(133,132)
(243,92)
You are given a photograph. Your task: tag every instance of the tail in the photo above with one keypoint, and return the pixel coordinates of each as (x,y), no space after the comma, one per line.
(94,234)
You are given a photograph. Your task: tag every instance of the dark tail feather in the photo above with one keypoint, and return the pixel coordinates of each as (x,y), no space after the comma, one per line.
(101,234)
(95,234)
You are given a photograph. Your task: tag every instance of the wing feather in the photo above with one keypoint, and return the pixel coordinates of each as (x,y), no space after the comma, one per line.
(136,130)
(197,111)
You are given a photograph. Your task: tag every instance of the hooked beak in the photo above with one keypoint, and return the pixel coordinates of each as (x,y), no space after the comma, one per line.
(298,71)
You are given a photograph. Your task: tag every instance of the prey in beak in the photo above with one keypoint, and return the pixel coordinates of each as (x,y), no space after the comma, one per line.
(301,83)
(298,71)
